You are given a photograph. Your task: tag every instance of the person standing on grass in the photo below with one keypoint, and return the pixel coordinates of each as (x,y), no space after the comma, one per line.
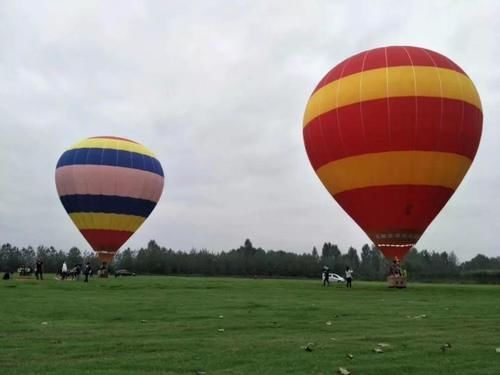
(87,271)
(64,270)
(326,281)
(78,271)
(348,277)
(39,269)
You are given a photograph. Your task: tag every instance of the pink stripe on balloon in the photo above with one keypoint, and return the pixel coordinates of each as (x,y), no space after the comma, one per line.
(108,180)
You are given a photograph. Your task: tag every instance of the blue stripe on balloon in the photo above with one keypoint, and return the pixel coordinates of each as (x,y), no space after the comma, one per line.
(112,157)
(109,204)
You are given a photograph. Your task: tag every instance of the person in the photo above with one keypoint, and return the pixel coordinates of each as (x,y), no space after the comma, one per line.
(395,269)
(78,271)
(87,271)
(326,281)
(348,277)
(398,268)
(397,275)
(64,271)
(39,269)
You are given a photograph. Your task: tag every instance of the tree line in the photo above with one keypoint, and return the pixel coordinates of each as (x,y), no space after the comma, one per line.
(249,261)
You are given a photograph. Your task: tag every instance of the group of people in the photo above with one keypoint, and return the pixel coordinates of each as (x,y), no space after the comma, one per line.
(397,275)
(396,270)
(75,272)
(348,276)
(64,273)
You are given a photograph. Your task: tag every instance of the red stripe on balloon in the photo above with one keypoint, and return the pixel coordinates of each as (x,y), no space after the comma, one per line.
(394,252)
(393,209)
(394,124)
(387,57)
(106,240)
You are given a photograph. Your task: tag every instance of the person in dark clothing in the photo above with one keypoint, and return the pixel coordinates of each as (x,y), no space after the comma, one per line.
(76,272)
(39,269)
(326,281)
(87,271)
(395,269)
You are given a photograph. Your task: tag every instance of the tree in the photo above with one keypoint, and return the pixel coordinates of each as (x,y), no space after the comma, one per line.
(94,261)
(74,257)
(479,262)
(315,253)
(248,245)
(125,260)
(250,261)
(28,257)
(353,258)
(10,258)
(373,265)
(364,268)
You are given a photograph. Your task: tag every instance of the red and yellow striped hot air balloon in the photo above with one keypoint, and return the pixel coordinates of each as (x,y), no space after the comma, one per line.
(391,133)
(108,186)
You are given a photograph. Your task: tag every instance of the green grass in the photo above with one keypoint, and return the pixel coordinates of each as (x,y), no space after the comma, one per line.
(170,325)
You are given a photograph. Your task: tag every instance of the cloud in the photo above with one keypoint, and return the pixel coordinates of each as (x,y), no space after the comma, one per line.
(217,90)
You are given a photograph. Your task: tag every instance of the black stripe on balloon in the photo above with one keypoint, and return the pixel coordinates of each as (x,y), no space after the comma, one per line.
(111,157)
(108,204)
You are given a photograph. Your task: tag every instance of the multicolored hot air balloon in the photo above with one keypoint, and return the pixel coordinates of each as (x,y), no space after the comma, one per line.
(108,186)
(391,133)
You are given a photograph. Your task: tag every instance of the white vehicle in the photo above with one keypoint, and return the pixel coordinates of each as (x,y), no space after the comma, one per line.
(334,278)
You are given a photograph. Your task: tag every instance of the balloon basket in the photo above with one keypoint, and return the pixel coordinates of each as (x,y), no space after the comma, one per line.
(103,274)
(396,282)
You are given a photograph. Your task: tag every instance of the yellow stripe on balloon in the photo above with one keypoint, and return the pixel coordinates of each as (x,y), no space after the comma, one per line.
(394,168)
(115,144)
(392,82)
(92,220)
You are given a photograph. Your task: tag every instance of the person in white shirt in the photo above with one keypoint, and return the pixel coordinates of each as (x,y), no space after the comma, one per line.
(348,277)
(64,271)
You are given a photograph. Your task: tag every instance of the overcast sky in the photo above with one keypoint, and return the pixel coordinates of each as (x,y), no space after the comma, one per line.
(217,89)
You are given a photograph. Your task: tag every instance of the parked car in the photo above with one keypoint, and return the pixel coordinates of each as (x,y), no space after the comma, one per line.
(334,278)
(124,273)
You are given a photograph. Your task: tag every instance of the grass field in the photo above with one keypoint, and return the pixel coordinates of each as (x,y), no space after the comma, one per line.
(174,325)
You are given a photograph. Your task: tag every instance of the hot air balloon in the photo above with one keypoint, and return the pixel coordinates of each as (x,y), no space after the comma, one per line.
(391,133)
(108,186)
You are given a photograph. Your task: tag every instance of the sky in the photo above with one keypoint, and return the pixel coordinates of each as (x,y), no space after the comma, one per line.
(217,90)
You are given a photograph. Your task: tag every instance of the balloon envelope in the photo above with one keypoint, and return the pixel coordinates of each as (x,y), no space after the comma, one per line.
(391,132)
(108,186)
